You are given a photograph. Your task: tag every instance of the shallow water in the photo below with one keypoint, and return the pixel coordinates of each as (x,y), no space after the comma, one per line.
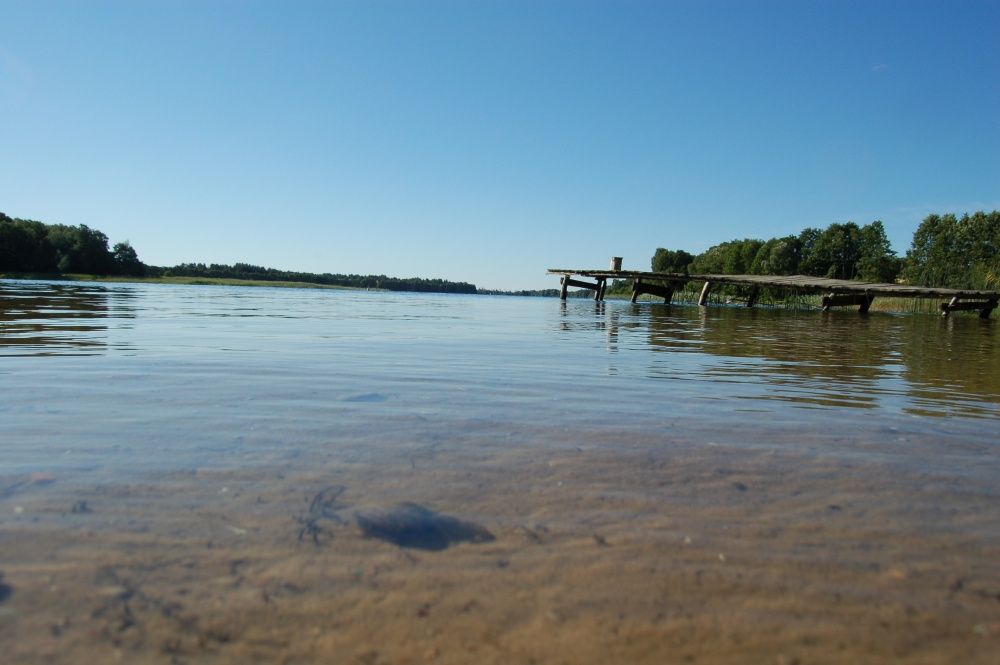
(663,483)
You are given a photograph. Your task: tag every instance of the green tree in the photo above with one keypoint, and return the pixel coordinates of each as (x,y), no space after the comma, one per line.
(126,260)
(778,256)
(675,261)
(834,252)
(24,246)
(876,260)
(81,249)
(950,252)
(729,258)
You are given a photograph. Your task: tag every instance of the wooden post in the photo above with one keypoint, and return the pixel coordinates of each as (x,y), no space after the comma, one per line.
(990,306)
(593,286)
(752,298)
(602,284)
(946,307)
(862,300)
(703,299)
(985,307)
(865,303)
(663,291)
(565,287)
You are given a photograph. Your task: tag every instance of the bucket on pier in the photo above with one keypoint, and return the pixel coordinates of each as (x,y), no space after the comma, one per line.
(616,263)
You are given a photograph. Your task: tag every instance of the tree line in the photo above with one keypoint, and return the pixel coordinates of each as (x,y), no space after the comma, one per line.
(251,272)
(946,251)
(32,247)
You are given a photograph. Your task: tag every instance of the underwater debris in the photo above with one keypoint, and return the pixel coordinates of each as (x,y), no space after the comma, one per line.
(414,526)
(323,506)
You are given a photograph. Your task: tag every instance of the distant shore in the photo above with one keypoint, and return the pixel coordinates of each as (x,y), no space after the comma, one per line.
(232,281)
(198,281)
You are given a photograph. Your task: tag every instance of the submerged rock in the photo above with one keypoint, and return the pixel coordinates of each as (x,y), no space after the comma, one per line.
(412,525)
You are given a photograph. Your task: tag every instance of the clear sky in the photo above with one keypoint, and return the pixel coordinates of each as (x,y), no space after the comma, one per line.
(487,140)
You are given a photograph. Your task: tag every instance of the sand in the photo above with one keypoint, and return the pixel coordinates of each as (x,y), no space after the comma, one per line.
(651,550)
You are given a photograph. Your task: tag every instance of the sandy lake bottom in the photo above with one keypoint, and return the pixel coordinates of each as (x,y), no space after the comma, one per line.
(633,553)
(150,526)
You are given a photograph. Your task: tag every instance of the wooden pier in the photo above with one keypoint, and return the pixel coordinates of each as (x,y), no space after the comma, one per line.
(836,292)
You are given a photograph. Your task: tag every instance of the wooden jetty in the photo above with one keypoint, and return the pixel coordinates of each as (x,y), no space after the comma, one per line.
(836,292)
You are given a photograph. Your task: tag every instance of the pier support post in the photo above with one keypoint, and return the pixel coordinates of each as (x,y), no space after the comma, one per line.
(862,300)
(703,299)
(990,306)
(602,285)
(947,307)
(865,303)
(665,291)
(752,298)
(597,287)
(985,307)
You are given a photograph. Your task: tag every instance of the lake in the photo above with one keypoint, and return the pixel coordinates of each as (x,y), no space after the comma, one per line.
(233,475)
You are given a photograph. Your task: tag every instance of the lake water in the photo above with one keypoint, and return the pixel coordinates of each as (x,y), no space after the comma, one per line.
(189,474)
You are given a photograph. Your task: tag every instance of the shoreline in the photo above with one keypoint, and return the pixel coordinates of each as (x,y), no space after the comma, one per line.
(192,281)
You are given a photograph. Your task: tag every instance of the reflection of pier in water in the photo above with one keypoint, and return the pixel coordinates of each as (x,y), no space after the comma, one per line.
(59,319)
(813,361)
(839,292)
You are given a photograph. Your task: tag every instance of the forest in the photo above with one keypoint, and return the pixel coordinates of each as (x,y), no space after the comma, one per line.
(31,247)
(946,251)
(27,246)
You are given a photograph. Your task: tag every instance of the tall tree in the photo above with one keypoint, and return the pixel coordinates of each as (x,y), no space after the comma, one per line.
(834,253)
(24,246)
(666,260)
(729,258)
(126,260)
(778,256)
(951,252)
(81,249)
(876,260)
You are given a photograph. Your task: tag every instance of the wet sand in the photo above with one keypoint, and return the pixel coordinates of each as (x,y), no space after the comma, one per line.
(678,547)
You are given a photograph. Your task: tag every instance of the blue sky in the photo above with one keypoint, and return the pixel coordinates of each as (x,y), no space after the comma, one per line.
(484,140)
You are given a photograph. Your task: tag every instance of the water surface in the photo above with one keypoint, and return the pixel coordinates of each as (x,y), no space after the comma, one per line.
(680,482)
